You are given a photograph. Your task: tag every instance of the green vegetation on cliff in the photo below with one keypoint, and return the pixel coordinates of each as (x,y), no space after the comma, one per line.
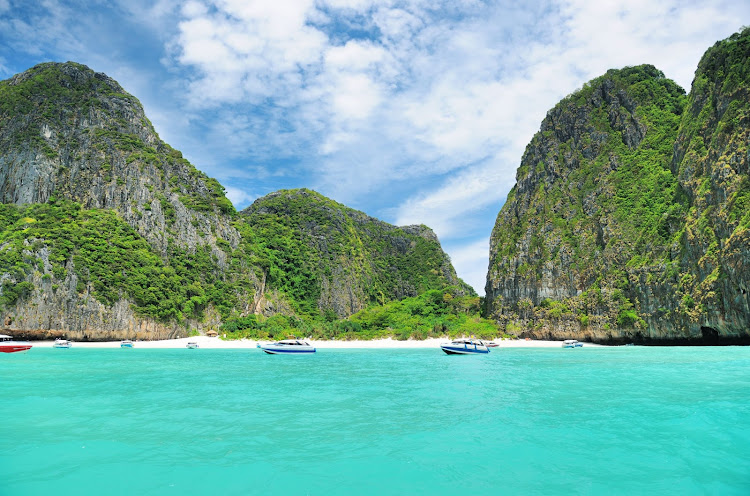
(109,260)
(90,129)
(612,164)
(711,159)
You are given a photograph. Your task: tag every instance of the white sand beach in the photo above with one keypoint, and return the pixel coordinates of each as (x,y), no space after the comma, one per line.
(205,342)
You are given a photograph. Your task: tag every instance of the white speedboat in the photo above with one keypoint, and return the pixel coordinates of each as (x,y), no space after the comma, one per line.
(8,345)
(288,347)
(126,343)
(571,343)
(465,346)
(192,345)
(62,343)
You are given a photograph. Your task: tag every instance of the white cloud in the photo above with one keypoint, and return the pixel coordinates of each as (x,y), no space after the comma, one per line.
(238,196)
(246,50)
(455,203)
(471,261)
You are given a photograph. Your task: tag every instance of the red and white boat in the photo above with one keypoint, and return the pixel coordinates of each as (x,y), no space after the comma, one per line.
(7,345)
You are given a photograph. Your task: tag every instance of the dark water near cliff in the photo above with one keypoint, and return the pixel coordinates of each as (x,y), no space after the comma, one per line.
(624,420)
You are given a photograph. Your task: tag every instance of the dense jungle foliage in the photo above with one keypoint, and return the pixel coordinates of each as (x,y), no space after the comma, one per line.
(304,241)
(435,313)
(108,259)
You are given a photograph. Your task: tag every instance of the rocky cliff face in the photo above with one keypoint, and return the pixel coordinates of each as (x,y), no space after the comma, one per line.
(68,133)
(711,161)
(339,260)
(629,218)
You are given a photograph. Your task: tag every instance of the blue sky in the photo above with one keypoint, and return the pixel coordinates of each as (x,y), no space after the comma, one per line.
(413,111)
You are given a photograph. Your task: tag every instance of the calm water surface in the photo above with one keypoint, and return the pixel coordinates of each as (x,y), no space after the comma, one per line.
(623,420)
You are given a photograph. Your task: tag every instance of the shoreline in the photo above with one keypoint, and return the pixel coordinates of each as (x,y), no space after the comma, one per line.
(216,343)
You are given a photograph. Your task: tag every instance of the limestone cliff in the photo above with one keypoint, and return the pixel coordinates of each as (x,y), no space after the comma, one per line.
(628,220)
(70,134)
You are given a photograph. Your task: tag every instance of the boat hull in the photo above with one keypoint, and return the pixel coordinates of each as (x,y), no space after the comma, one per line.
(281,351)
(14,348)
(457,350)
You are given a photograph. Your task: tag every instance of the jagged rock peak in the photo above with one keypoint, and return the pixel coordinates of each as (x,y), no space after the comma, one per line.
(72,73)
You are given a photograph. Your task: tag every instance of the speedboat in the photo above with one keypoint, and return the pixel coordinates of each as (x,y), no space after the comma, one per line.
(571,343)
(491,344)
(8,345)
(465,346)
(126,343)
(192,345)
(62,343)
(288,347)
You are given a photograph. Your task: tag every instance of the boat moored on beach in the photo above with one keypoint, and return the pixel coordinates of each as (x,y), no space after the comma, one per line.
(8,345)
(192,345)
(572,343)
(126,343)
(465,346)
(288,347)
(62,343)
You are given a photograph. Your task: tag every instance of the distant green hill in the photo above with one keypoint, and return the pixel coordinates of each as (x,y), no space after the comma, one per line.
(629,217)
(331,258)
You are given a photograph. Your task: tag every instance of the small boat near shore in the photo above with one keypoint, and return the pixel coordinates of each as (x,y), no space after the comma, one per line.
(62,343)
(192,345)
(9,345)
(572,343)
(465,346)
(126,343)
(287,347)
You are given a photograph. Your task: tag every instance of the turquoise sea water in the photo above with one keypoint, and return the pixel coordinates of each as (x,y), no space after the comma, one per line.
(623,420)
